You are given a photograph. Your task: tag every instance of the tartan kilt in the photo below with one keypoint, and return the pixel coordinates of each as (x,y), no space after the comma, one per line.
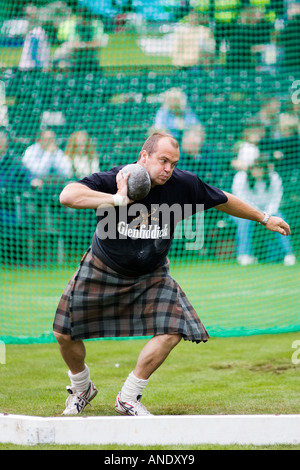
(99,303)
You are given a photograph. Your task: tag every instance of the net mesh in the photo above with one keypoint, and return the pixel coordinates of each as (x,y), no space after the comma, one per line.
(83,84)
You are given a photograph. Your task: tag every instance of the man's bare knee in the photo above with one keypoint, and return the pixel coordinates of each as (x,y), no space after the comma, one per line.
(169,340)
(62,339)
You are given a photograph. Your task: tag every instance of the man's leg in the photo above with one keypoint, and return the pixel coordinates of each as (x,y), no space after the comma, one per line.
(82,390)
(154,354)
(73,352)
(151,357)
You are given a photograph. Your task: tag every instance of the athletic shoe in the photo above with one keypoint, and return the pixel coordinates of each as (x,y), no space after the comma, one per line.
(289,260)
(76,402)
(131,408)
(246,260)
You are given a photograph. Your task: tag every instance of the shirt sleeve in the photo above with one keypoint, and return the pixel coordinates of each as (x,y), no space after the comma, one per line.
(93,182)
(103,181)
(206,195)
(212,196)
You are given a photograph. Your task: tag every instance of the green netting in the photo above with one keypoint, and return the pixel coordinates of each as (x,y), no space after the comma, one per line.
(82,84)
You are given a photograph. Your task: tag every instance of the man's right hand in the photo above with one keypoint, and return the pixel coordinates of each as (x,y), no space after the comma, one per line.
(122,185)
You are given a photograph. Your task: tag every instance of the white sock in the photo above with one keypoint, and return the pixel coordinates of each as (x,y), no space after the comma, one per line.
(81,380)
(132,388)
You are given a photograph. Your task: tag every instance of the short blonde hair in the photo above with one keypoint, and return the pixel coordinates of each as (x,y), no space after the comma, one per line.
(150,145)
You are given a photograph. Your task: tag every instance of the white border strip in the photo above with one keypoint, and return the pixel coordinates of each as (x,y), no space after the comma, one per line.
(151,430)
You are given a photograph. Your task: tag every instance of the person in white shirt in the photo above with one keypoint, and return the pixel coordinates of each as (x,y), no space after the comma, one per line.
(45,159)
(247,148)
(193,43)
(36,49)
(262,188)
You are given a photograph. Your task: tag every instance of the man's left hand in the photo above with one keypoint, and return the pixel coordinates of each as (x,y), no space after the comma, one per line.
(276,224)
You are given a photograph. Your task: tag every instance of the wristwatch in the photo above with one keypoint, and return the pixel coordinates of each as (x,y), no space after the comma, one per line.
(265,219)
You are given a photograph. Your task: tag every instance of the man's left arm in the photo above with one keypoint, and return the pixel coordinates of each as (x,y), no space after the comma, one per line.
(238,208)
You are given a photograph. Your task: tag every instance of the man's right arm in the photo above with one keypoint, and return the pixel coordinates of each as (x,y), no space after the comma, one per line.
(80,196)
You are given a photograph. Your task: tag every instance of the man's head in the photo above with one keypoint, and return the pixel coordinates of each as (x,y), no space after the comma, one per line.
(159,155)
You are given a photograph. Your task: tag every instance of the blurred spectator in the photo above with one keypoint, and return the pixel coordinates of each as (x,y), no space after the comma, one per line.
(36,49)
(247,35)
(175,115)
(267,8)
(282,136)
(81,151)
(54,13)
(4,160)
(225,13)
(296,101)
(286,147)
(261,187)
(3,142)
(194,43)
(289,38)
(14,179)
(4,121)
(46,161)
(67,28)
(198,156)
(247,149)
(268,117)
(12,171)
(83,36)
(4,157)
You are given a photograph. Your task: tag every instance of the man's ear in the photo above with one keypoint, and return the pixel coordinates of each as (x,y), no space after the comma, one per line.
(143,156)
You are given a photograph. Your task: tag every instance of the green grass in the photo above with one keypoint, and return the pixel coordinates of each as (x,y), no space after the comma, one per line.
(141,448)
(247,375)
(122,50)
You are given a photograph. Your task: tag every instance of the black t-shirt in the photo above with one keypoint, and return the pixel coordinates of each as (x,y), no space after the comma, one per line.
(135,239)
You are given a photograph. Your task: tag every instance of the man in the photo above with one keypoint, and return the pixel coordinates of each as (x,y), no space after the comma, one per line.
(123,286)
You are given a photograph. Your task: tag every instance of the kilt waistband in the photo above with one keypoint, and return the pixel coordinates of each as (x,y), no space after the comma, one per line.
(99,253)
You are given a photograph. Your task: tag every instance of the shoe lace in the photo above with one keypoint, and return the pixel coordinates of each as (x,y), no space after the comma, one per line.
(78,401)
(139,408)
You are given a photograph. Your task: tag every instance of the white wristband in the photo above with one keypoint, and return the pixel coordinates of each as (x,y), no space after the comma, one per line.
(118,199)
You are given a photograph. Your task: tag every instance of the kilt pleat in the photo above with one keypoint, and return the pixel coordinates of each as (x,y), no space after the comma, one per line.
(100,303)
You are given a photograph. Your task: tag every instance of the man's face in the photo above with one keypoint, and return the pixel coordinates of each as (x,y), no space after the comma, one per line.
(160,164)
